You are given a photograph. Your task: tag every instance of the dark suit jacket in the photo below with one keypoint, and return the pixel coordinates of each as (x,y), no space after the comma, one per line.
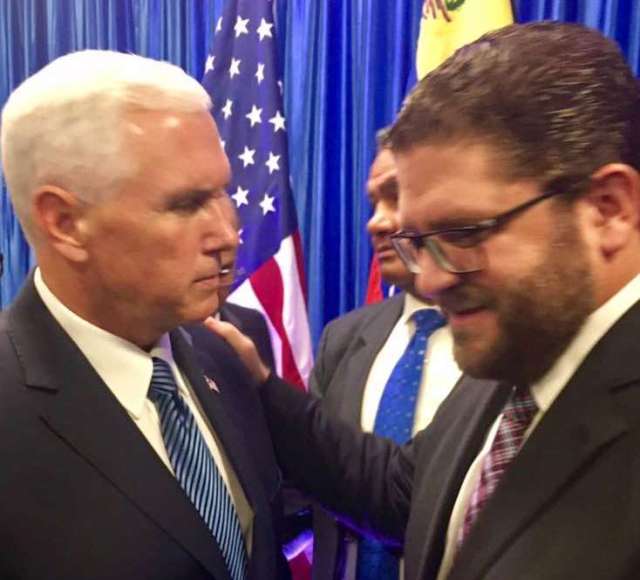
(567,508)
(347,350)
(82,493)
(252,323)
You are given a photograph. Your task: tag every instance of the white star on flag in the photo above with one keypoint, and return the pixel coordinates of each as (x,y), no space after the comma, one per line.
(255,116)
(240,26)
(227,109)
(234,68)
(273,163)
(240,196)
(264,29)
(240,232)
(209,63)
(267,204)
(278,122)
(260,72)
(219,25)
(247,156)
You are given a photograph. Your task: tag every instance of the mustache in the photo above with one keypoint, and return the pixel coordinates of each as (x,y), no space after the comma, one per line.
(464,298)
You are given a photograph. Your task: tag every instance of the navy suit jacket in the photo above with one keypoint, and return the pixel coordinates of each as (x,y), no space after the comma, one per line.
(83,494)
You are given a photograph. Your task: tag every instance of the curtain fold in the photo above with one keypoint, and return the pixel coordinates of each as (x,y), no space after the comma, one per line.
(346,66)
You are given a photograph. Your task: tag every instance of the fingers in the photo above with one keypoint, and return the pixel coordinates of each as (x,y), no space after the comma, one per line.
(243,346)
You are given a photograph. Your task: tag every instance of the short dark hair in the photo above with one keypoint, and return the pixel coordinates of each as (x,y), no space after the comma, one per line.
(554,99)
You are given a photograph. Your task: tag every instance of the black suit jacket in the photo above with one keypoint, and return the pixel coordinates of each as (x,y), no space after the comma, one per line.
(206,345)
(84,496)
(252,323)
(347,350)
(568,507)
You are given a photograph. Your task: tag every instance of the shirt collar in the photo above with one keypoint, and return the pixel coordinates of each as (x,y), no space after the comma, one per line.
(411,305)
(596,325)
(123,366)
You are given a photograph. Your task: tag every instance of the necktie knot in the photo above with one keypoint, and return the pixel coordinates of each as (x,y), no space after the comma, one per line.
(163,384)
(427,321)
(521,408)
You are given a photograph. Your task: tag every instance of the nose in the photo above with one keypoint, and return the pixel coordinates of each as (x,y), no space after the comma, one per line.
(433,280)
(222,233)
(382,223)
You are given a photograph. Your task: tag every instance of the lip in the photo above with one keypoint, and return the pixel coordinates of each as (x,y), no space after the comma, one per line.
(469,317)
(212,281)
(385,252)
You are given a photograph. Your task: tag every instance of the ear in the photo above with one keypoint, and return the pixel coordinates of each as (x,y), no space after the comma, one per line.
(614,203)
(60,217)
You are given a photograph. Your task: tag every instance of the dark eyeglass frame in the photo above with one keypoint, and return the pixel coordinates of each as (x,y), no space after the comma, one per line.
(480,230)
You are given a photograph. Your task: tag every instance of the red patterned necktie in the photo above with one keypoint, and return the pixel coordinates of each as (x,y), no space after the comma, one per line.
(516,418)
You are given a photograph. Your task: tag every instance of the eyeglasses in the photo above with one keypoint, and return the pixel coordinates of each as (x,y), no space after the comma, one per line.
(457,250)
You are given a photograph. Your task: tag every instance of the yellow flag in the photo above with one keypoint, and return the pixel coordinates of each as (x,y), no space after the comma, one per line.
(466,20)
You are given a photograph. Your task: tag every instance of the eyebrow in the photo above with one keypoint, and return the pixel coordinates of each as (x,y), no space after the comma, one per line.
(389,188)
(193,195)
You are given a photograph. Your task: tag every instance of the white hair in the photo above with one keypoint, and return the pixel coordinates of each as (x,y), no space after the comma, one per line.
(63,125)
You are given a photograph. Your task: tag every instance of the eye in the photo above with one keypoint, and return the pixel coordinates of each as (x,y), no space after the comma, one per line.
(464,237)
(189,203)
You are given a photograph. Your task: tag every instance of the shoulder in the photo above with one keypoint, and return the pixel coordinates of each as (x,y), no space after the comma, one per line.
(230,310)
(360,317)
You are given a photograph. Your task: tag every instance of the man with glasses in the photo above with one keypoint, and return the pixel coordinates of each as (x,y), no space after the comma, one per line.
(519,169)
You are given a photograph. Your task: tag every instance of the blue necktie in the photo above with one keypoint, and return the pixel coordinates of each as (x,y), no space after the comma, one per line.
(196,470)
(395,421)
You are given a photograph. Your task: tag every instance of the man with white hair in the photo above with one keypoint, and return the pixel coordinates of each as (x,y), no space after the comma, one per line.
(119,458)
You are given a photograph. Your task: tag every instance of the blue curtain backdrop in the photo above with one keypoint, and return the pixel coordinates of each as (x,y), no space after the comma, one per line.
(346,64)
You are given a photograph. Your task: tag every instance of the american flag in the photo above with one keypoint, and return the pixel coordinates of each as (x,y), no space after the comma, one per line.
(377,289)
(242,77)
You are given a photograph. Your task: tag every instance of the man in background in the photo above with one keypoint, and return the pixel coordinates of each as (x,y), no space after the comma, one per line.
(360,372)
(118,459)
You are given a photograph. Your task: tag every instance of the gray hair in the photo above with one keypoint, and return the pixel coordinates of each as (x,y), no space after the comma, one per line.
(63,125)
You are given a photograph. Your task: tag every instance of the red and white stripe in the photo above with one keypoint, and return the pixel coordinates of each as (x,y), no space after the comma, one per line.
(277,289)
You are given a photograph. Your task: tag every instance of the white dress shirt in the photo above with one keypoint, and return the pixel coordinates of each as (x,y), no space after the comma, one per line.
(544,393)
(126,369)
(440,373)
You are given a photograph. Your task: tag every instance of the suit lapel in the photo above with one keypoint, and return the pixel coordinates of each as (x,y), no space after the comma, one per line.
(221,415)
(467,414)
(579,425)
(81,410)
(371,337)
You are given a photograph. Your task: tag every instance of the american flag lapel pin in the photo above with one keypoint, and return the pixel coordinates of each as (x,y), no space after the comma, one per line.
(211,384)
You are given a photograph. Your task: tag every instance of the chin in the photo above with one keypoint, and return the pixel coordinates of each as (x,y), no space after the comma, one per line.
(475,360)
(203,311)
(396,276)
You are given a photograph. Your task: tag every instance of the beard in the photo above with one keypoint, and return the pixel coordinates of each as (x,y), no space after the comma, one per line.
(537,315)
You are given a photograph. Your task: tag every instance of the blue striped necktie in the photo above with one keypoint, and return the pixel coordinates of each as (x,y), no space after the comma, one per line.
(195,469)
(394,420)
